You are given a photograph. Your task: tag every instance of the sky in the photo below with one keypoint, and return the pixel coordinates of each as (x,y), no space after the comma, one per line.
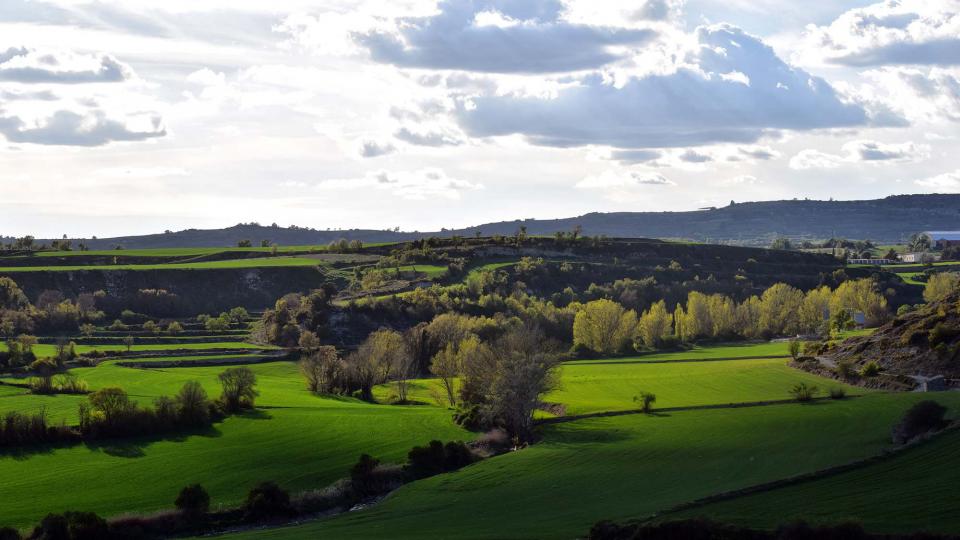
(122,117)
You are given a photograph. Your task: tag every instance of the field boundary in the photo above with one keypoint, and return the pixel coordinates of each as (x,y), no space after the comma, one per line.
(654,412)
(803,478)
(601,362)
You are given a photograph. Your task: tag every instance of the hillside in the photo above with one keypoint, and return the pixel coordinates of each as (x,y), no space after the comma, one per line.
(925,342)
(753,223)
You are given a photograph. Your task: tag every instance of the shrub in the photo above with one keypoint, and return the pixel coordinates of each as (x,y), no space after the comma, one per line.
(361,474)
(942,333)
(924,417)
(193,500)
(845,369)
(794,349)
(837,393)
(803,392)
(267,501)
(870,369)
(68,383)
(437,458)
(9,533)
(646,401)
(117,326)
(238,389)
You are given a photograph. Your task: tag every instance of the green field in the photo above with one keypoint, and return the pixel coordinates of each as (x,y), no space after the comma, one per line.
(294,438)
(620,468)
(46,350)
(617,467)
(920,484)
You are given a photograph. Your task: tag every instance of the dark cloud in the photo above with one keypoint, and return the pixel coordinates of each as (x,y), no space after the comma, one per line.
(634,156)
(685,108)
(692,156)
(541,43)
(68,128)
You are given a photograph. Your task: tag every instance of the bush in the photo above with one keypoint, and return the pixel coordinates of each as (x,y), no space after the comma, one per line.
(942,333)
(267,501)
(361,474)
(870,369)
(794,349)
(646,401)
(924,417)
(837,393)
(9,533)
(803,392)
(193,500)
(437,458)
(71,526)
(845,369)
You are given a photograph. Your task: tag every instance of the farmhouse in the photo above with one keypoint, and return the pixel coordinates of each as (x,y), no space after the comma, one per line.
(919,257)
(877,262)
(944,239)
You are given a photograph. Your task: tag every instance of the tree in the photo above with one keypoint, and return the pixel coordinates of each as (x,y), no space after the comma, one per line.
(193,501)
(781,243)
(919,242)
(780,310)
(384,354)
(244,244)
(174,328)
(604,326)
(151,327)
(239,390)
(238,315)
(322,369)
(112,402)
(794,349)
(309,341)
(815,309)
(87,329)
(128,342)
(525,370)
(11,296)
(448,364)
(860,295)
(939,286)
(655,325)
(193,406)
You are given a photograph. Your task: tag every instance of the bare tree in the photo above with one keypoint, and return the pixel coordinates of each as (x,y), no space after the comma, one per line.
(322,369)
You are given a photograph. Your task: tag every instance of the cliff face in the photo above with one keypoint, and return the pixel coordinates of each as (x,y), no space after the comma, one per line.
(924,343)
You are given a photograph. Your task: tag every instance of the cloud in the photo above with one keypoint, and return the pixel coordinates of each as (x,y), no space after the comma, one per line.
(88,128)
(692,156)
(920,32)
(744,179)
(860,152)
(143,172)
(630,157)
(427,137)
(498,36)
(691,106)
(371,149)
(942,183)
(416,185)
(29,66)
(759,153)
(615,179)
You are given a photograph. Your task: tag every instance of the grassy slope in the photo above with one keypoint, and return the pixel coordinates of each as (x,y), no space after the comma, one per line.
(296,439)
(920,484)
(620,468)
(264,262)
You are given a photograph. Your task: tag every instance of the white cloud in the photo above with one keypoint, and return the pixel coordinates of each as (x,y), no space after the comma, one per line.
(623,179)
(143,172)
(899,32)
(692,106)
(30,66)
(509,37)
(416,185)
(861,152)
(744,179)
(942,183)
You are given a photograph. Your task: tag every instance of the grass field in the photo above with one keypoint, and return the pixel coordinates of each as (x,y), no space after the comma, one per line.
(297,439)
(920,484)
(620,468)
(46,350)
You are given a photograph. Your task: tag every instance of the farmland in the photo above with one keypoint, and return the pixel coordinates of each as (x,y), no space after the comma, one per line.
(725,414)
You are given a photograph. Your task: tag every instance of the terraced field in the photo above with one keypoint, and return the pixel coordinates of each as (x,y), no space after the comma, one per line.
(258,262)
